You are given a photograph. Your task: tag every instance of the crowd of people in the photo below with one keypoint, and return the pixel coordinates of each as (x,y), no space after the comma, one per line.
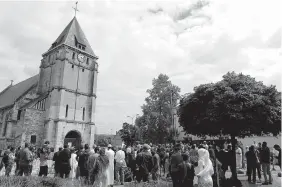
(106,166)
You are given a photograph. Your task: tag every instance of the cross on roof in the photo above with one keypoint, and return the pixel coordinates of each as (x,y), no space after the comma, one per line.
(75,9)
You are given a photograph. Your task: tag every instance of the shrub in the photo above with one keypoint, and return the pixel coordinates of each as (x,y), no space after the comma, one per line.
(32,181)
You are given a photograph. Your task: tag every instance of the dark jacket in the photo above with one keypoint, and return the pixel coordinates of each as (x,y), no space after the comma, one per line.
(251,159)
(144,160)
(189,173)
(175,162)
(131,161)
(64,156)
(25,156)
(82,163)
(56,160)
(265,155)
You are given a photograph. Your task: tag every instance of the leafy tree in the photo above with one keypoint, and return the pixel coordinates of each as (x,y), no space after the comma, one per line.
(238,105)
(129,134)
(156,120)
(103,142)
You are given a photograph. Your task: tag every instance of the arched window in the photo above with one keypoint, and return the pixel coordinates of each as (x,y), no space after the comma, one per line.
(67,108)
(83,114)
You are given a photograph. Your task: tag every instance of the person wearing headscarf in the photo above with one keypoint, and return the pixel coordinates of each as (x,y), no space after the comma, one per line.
(205,169)
(103,164)
(92,165)
(111,173)
(73,164)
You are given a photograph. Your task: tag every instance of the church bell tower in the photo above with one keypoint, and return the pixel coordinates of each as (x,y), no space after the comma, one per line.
(68,76)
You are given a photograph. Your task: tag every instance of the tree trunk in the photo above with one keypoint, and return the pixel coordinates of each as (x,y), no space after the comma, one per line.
(233,161)
(235,180)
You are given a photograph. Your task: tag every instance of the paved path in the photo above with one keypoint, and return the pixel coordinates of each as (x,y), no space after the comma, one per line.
(276,180)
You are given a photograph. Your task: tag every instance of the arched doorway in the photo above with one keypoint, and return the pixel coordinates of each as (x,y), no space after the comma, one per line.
(73,138)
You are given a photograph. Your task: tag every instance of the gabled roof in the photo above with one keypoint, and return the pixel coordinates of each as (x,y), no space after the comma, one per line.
(72,34)
(12,93)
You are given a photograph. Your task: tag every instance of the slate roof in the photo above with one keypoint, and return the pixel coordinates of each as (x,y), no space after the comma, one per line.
(71,34)
(12,93)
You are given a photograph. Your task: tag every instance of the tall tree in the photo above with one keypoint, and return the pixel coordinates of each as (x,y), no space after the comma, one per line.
(156,120)
(238,105)
(129,134)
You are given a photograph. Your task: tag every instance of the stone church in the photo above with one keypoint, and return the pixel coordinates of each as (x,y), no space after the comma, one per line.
(58,104)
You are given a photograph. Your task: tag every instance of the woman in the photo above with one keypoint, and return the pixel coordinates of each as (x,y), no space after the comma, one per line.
(278,148)
(73,164)
(239,157)
(205,169)
(101,179)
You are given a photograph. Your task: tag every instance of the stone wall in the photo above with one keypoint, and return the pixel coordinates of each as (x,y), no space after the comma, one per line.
(85,130)
(34,125)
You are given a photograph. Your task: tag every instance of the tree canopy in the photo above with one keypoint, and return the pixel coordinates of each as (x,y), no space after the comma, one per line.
(156,121)
(129,134)
(238,105)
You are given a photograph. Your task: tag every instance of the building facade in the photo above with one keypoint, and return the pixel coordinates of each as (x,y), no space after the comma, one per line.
(58,104)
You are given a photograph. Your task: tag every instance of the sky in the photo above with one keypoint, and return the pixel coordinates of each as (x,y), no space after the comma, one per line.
(193,42)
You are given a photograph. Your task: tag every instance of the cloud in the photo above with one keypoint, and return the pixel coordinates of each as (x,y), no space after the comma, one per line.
(193,42)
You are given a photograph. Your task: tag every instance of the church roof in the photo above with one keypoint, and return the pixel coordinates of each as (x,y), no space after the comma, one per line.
(12,93)
(73,35)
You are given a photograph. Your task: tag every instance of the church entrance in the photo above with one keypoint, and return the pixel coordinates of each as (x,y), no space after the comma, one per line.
(73,139)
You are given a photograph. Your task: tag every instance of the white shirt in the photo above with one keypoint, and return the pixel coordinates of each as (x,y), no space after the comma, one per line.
(120,156)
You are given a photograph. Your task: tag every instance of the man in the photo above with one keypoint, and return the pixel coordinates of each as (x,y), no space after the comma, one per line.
(251,164)
(33,157)
(265,162)
(24,161)
(156,165)
(43,171)
(17,159)
(144,161)
(57,162)
(82,163)
(8,160)
(64,162)
(176,166)
(258,165)
(120,165)
(111,155)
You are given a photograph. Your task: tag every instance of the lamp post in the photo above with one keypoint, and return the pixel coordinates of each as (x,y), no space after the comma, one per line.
(172,113)
(132,118)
